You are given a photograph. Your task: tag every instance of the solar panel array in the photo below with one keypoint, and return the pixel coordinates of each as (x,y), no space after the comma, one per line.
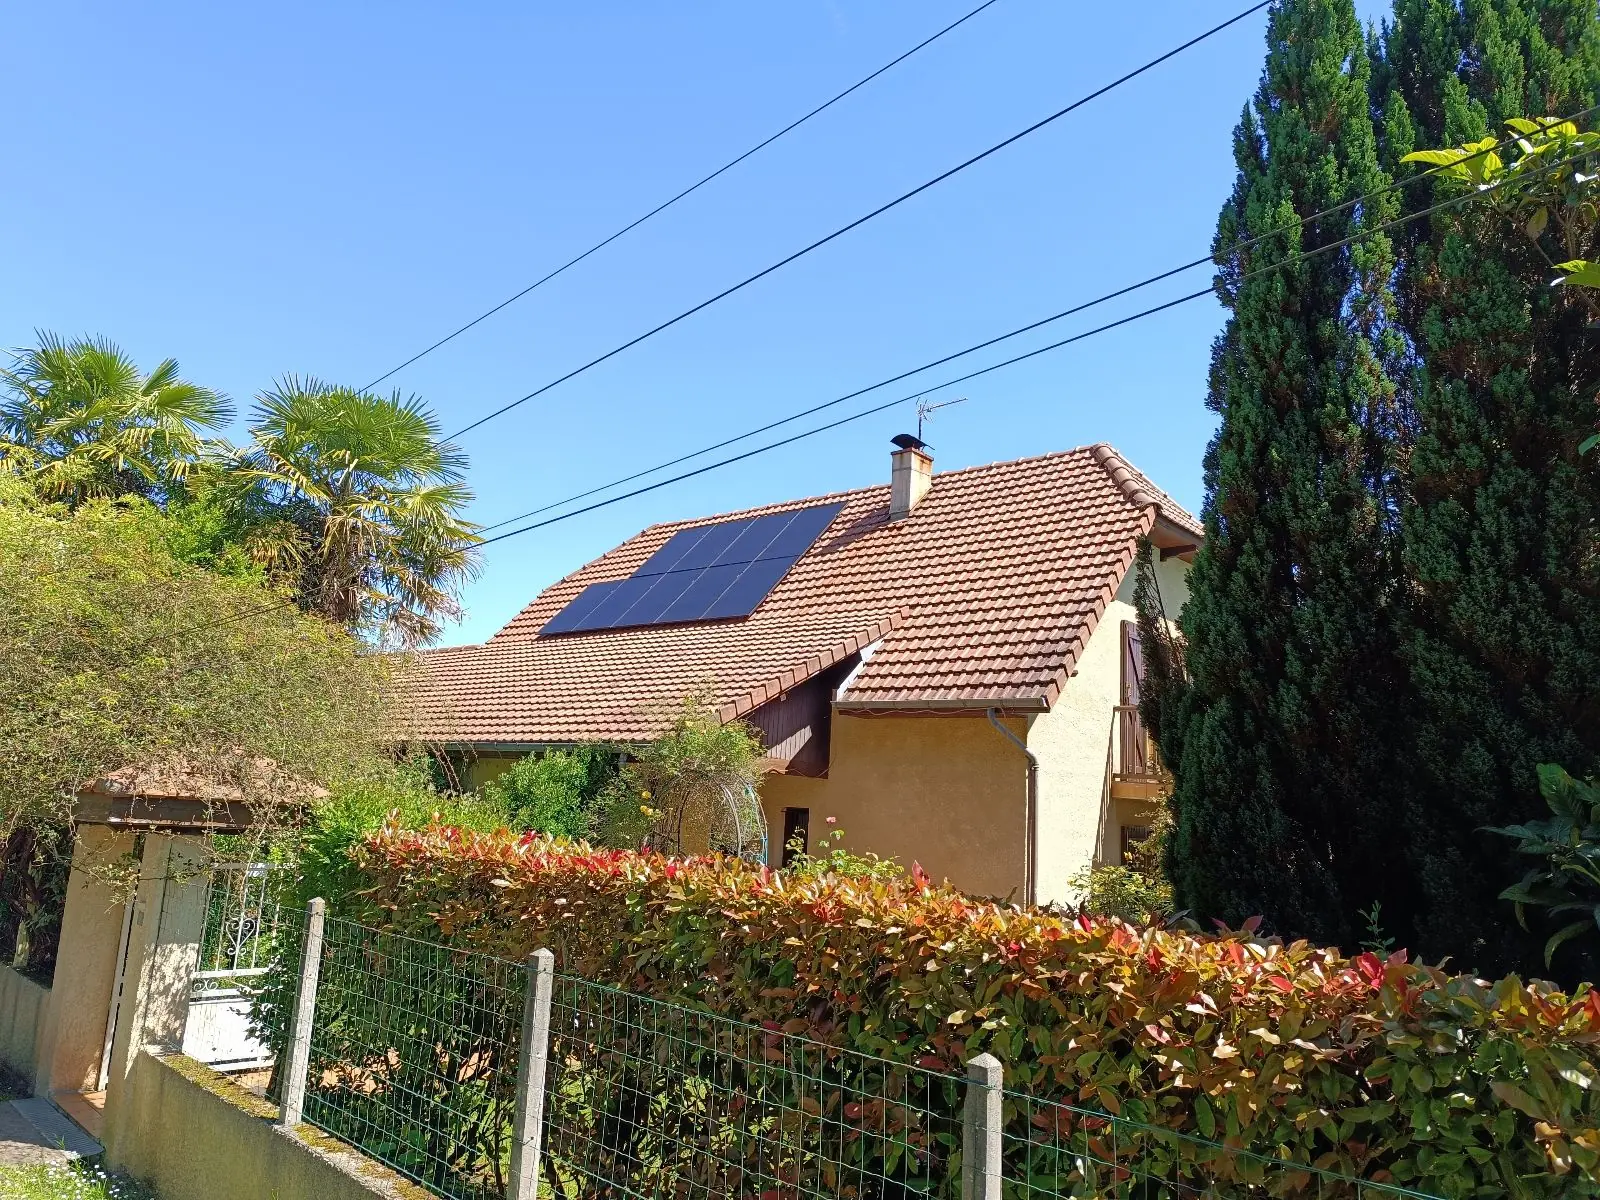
(707,573)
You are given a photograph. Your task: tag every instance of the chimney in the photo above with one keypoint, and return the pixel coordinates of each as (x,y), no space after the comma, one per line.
(911,476)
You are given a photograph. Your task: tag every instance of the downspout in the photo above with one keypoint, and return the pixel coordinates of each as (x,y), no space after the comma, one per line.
(1030,820)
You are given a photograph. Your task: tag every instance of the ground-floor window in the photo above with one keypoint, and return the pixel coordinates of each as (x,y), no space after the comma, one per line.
(796,833)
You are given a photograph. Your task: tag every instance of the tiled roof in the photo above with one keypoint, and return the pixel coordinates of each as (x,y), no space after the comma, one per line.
(986,593)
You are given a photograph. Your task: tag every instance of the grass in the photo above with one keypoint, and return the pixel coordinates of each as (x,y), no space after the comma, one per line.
(77,1182)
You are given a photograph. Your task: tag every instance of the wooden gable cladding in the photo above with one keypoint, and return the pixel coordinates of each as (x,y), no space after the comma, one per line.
(795,727)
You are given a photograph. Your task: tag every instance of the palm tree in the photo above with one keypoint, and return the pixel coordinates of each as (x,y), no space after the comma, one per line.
(82,421)
(368,502)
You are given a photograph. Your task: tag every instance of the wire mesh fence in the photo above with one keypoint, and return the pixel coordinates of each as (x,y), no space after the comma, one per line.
(1051,1149)
(652,1099)
(414,1055)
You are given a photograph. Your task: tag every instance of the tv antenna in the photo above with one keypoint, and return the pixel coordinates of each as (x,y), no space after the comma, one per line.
(926,410)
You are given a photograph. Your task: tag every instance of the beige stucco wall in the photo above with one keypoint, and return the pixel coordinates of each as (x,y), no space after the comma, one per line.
(487,768)
(193,1135)
(163,951)
(86,963)
(1073,741)
(947,791)
(944,791)
(24,1024)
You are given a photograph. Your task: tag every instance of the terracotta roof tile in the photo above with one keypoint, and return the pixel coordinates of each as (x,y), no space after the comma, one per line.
(987,591)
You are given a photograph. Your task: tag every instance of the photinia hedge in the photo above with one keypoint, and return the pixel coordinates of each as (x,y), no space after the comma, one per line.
(1389,1070)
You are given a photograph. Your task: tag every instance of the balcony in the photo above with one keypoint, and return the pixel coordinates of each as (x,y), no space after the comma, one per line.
(1136,770)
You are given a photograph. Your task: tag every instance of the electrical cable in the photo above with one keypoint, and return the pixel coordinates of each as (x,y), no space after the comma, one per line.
(845,420)
(1236,249)
(859,221)
(1294,260)
(693,187)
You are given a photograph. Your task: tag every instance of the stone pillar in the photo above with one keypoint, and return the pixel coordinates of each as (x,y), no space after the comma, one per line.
(86,966)
(163,954)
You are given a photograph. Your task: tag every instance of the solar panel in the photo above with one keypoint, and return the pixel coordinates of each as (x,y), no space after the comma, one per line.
(708,573)
(615,605)
(708,584)
(803,528)
(709,548)
(570,618)
(754,539)
(755,580)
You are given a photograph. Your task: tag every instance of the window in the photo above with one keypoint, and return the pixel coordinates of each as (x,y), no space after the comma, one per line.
(796,833)
(1132,835)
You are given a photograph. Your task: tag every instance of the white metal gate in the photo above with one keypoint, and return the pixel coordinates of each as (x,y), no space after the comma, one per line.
(236,948)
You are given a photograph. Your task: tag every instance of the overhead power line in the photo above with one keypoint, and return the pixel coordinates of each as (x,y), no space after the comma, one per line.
(859,221)
(1384,227)
(866,412)
(1209,259)
(693,187)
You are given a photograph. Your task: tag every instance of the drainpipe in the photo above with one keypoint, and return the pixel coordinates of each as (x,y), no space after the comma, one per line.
(1030,819)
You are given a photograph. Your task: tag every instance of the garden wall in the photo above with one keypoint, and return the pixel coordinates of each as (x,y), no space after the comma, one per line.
(24,1023)
(194,1135)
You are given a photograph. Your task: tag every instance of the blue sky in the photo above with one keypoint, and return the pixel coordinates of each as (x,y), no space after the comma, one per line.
(326,188)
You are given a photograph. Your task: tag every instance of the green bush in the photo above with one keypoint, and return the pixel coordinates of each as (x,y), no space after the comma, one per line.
(690,789)
(1115,890)
(559,793)
(403,795)
(833,859)
(1567,880)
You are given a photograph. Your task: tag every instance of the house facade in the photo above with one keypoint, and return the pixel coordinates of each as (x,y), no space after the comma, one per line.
(946,665)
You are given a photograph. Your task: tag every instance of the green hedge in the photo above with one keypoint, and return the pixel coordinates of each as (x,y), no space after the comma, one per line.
(1390,1071)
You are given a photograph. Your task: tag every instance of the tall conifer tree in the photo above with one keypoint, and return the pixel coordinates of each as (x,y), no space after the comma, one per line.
(1279,798)
(1500,535)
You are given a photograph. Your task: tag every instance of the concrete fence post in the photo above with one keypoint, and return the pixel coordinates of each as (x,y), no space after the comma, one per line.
(527,1125)
(305,1005)
(980,1129)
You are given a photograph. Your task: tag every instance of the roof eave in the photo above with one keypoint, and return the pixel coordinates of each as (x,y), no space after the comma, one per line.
(944,705)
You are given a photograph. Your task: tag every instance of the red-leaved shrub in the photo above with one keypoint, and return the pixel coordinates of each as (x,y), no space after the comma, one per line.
(1389,1070)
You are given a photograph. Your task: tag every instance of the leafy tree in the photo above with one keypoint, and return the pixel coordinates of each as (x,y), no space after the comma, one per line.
(1279,795)
(1500,555)
(35,866)
(365,505)
(81,421)
(118,653)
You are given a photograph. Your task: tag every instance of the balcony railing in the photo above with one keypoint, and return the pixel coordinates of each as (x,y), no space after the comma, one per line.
(1137,756)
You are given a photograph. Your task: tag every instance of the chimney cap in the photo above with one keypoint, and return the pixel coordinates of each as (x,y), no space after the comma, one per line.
(907,442)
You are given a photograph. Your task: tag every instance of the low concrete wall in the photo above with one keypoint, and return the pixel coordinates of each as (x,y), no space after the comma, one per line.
(194,1135)
(24,1024)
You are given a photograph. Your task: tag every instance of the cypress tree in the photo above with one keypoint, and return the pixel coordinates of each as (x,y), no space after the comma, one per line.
(1279,789)
(1500,541)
